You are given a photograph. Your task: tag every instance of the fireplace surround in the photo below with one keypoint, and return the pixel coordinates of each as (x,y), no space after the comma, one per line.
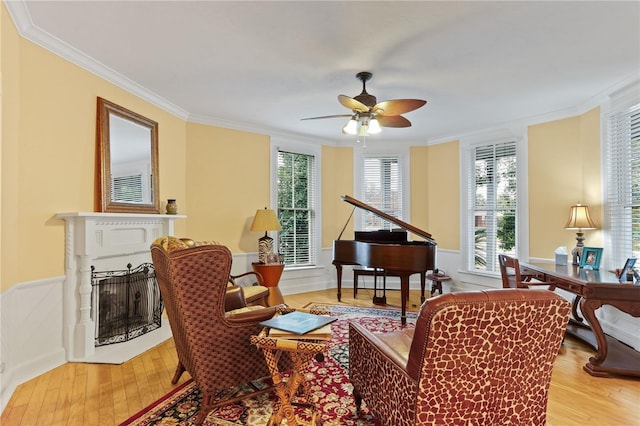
(106,241)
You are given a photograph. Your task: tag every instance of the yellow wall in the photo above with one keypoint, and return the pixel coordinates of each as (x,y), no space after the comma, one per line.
(436,208)
(337,180)
(228,180)
(220,177)
(564,169)
(419,190)
(48,153)
(9,121)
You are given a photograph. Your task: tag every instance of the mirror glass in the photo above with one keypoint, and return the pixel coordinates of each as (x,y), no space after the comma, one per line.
(128,154)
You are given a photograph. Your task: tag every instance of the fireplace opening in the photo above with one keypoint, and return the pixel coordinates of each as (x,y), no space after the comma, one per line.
(125,304)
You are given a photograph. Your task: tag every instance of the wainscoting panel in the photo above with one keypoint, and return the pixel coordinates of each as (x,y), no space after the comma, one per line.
(30,332)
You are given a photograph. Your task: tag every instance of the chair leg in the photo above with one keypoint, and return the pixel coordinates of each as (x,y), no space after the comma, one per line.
(358,400)
(205,408)
(179,370)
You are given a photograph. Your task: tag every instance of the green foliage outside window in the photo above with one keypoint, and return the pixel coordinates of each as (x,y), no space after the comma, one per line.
(495,200)
(295,207)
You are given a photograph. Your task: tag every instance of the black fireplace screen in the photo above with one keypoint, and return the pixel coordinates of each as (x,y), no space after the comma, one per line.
(125,304)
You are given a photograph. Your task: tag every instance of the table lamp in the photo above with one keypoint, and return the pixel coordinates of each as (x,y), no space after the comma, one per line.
(265,220)
(579,219)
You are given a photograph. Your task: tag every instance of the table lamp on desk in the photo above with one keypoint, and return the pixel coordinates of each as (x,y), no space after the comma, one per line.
(580,220)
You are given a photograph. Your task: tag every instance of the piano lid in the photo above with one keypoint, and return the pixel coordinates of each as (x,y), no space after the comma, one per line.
(404,225)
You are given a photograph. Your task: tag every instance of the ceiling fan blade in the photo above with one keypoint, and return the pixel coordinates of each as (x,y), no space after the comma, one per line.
(393,121)
(397,106)
(327,116)
(352,104)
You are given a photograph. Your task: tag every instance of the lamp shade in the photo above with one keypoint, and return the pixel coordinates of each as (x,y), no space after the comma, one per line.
(265,220)
(351,128)
(579,218)
(374,127)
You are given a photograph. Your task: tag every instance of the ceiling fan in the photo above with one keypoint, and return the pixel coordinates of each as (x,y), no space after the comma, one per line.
(368,116)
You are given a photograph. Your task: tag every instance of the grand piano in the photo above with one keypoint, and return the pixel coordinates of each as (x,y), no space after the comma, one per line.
(382,250)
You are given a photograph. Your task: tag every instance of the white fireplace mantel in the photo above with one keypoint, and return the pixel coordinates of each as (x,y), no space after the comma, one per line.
(107,241)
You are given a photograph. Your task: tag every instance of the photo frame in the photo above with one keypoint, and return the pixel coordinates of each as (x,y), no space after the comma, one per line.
(591,257)
(628,266)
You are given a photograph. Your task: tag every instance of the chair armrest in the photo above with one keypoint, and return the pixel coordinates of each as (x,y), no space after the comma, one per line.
(234,299)
(373,369)
(255,315)
(237,279)
(393,346)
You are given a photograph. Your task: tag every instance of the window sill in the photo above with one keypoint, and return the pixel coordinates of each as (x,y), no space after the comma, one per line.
(295,272)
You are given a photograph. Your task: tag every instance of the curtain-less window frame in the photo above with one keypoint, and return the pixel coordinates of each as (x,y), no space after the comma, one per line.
(467,147)
(397,209)
(622,116)
(284,144)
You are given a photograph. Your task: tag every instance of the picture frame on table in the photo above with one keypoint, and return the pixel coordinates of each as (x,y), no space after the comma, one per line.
(628,268)
(591,257)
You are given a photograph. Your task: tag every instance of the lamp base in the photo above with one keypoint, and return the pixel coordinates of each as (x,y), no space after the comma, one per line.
(577,250)
(265,246)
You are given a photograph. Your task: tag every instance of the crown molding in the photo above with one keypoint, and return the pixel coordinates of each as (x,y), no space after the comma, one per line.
(26,28)
(19,12)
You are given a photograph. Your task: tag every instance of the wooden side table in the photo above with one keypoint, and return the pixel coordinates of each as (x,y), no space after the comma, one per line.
(270,273)
(436,282)
(301,353)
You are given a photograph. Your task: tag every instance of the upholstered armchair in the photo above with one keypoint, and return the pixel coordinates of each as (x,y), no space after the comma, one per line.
(212,345)
(474,358)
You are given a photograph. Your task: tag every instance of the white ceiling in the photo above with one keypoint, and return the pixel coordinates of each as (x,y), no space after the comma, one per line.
(264,65)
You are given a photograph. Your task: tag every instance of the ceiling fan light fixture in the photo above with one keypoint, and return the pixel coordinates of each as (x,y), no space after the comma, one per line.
(365,108)
(351,128)
(374,127)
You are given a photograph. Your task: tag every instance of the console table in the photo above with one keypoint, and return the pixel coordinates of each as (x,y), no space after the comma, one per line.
(593,289)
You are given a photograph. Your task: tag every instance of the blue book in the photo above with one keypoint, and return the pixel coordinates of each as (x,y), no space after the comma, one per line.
(298,322)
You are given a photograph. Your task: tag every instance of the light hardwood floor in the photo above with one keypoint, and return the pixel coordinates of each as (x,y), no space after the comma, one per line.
(99,394)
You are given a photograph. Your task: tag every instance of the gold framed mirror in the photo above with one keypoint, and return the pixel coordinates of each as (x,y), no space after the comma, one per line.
(127,148)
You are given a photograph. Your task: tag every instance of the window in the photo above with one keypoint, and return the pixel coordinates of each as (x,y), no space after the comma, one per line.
(296,208)
(382,189)
(623,183)
(492,205)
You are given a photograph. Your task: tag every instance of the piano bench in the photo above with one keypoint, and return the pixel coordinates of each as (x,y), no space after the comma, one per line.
(369,272)
(436,282)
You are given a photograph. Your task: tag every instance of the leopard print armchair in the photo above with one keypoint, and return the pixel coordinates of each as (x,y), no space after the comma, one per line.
(474,358)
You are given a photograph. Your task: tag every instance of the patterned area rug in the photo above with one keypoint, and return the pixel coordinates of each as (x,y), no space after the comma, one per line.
(329,383)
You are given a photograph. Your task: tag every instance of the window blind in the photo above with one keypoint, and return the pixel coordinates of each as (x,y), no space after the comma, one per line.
(492,205)
(127,189)
(382,189)
(296,208)
(623,184)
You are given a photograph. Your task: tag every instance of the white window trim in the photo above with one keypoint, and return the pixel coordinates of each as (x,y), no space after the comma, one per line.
(403,156)
(618,101)
(282,144)
(467,146)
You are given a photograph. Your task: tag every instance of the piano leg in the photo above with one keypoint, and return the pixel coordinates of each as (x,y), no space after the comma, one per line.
(339,272)
(404,296)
